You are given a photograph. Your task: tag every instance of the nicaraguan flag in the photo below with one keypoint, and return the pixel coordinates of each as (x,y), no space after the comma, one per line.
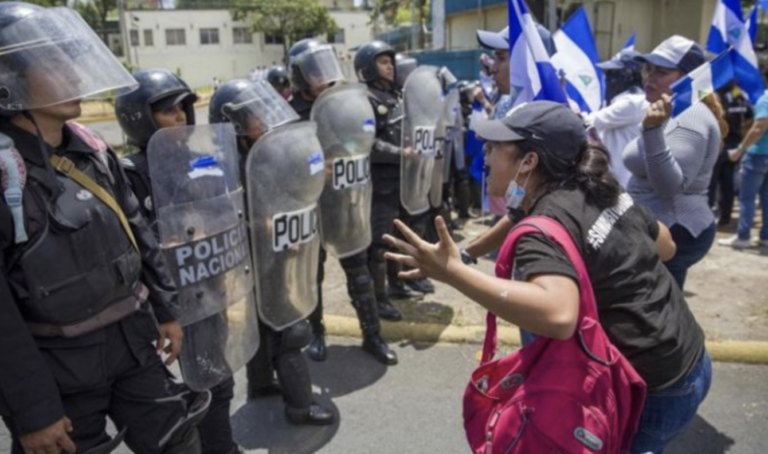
(577,57)
(701,82)
(729,30)
(532,76)
(630,44)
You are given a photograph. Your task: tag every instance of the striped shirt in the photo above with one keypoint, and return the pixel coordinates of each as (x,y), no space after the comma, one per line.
(671,168)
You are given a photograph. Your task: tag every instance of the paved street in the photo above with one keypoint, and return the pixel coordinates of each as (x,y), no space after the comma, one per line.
(415,407)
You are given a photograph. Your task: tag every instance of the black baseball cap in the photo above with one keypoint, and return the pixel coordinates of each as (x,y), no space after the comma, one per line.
(554,126)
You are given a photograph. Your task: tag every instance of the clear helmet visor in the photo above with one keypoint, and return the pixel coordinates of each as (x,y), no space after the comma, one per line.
(258,109)
(319,66)
(52,57)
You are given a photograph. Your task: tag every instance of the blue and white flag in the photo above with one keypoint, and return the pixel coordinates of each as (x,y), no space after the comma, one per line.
(701,82)
(729,30)
(532,76)
(630,44)
(577,58)
(752,24)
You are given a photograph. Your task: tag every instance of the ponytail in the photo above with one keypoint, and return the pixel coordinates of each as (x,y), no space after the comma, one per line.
(593,176)
(717,110)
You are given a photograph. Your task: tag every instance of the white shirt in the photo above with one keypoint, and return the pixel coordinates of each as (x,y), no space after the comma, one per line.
(617,125)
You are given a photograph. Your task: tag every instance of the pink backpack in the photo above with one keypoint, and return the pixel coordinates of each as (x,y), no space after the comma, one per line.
(576,396)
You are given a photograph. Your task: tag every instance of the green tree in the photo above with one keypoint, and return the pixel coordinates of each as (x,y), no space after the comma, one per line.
(48,2)
(290,19)
(398,12)
(95,12)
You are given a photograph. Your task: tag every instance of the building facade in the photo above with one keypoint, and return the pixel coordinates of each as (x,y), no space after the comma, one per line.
(203,44)
(612,21)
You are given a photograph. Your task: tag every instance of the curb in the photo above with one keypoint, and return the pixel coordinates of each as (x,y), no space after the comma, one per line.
(729,351)
(111,117)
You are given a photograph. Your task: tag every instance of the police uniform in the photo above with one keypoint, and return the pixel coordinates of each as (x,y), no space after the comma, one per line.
(280,352)
(84,309)
(158,86)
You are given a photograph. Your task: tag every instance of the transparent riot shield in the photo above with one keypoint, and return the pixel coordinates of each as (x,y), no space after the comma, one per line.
(346,129)
(423,106)
(199,201)
(285,173)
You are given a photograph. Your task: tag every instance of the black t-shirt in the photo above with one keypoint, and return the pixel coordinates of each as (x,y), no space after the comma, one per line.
(641,309)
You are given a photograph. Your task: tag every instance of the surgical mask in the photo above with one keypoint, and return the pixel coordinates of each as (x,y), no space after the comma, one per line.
(515,192)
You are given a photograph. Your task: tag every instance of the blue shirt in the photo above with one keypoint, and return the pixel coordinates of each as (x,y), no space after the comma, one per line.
(761,113)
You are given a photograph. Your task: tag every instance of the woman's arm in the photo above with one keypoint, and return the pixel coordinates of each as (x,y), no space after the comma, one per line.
(674,160)
(490,240)
(548,305)
(665,245)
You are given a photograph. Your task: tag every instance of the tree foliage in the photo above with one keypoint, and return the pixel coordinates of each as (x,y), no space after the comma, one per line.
(95,12)
(291,19)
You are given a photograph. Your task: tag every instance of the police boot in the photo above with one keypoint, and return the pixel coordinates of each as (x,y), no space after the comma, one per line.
(423,286)
(386,310)
(293,373)
(317,350)
(360,289)
(260,371)
(396,287)
(463,197)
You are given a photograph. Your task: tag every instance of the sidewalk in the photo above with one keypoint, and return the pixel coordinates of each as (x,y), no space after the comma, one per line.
(726,292)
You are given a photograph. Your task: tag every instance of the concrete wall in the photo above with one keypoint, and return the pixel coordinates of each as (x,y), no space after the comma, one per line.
(612,20)
(199,63)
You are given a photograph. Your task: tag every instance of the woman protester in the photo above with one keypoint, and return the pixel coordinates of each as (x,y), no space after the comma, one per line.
(672,160)
(540,157)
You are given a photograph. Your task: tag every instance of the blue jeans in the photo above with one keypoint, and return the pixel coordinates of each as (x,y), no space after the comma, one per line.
(666,413)
(754,182)
(690,250)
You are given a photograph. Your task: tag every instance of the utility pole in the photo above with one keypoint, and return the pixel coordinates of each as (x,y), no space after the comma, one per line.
(414,25)
(124,41)
(552,15)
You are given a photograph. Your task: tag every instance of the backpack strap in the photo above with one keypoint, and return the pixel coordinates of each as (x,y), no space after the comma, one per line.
(540,225)
(13,178)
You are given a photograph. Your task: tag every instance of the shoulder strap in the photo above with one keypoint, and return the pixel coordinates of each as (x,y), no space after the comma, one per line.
(540,225)
(68,168)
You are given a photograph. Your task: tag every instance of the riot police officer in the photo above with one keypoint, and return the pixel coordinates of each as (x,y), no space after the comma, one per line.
(255,109)
(163,100)
(313,69)
(374,65)
(277,76)
(88,282)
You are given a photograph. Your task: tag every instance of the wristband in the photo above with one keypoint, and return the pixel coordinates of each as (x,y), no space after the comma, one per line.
(466,258)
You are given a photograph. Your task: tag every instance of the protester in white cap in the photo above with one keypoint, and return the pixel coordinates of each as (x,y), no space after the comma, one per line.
(672,160)
(618,123)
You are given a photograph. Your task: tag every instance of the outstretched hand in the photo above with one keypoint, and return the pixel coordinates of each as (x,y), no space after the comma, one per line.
(436,261)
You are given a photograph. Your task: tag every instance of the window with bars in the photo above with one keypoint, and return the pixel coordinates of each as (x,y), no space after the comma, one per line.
(149,38)
(336,38)
(273,39)
(175,37)
(134,38)
(242,35)
(209,36)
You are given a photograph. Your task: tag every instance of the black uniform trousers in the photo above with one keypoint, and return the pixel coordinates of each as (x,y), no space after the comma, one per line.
(115,372)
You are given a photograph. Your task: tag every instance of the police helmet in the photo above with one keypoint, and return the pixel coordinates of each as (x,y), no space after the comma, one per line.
(311,60)
(50,56)
(253,108)
(404,66)
(365,60)
(277,76)
(156,87)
